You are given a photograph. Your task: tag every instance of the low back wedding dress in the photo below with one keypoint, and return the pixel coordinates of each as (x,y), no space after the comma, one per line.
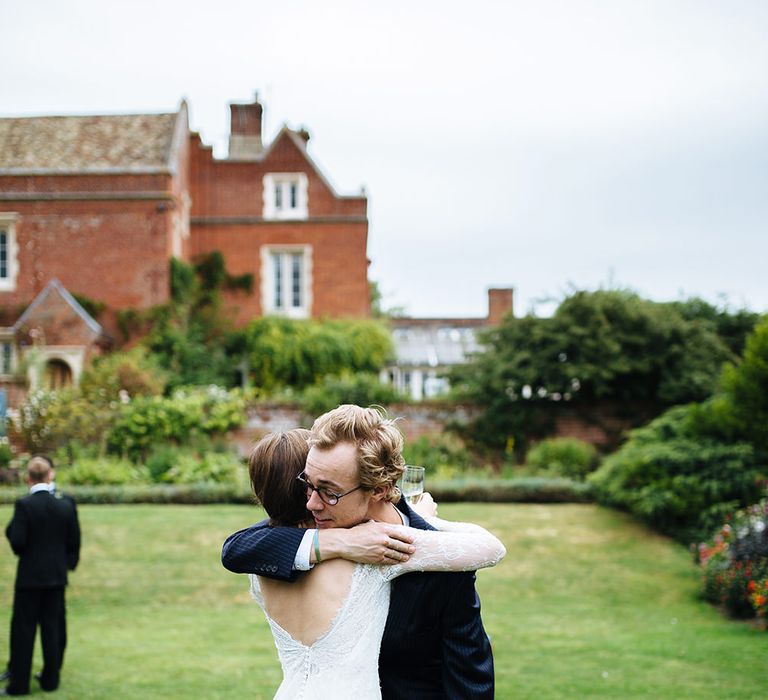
(343,661)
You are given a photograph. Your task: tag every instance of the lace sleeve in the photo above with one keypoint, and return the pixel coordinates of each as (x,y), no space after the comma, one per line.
(454,547)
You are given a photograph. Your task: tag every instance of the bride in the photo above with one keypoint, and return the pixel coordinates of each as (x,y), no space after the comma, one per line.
(328,624)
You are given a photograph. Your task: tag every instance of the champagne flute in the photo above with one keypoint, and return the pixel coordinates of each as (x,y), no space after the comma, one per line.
(412,484)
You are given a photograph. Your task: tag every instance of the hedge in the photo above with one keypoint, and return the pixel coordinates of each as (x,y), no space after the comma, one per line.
(521,490)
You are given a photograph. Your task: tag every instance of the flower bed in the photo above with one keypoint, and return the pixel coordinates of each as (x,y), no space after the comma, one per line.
(735,563)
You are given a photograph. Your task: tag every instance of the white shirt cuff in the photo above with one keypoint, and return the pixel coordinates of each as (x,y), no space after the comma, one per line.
(301,562)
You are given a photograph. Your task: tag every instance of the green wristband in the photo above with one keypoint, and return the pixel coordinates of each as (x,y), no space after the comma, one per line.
(316,542)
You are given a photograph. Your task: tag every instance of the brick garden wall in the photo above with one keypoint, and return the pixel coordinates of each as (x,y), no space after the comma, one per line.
(603,427)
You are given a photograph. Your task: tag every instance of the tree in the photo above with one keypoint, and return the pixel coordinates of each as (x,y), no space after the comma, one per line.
(745,388)
(690,467)
(732,327)
(606,345)
(287,353)
(739,409)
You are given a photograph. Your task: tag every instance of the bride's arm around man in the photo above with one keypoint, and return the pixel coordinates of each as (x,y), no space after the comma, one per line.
(434,643)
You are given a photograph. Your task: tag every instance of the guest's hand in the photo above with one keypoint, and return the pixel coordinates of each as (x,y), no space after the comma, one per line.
(368,543)
(425,506)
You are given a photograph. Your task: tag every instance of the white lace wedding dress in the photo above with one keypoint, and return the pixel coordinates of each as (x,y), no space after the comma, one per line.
(343,661)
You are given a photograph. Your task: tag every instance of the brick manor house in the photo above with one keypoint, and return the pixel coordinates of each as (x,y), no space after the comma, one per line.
(97,206)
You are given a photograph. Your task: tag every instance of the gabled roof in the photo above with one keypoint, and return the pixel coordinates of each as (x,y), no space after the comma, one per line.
(56,287)
(301,145)
(125,143)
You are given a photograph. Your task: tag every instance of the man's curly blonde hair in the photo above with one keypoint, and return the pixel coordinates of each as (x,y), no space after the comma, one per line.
(379,444)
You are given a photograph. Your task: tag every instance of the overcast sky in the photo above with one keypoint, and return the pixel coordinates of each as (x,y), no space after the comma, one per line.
(543,145)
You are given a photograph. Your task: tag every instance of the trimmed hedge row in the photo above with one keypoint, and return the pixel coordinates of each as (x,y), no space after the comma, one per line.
(523,490)
(520,490)
(149,493)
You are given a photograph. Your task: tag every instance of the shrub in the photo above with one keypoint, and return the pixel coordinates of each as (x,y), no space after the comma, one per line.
(6,453)
(563,457)
(744,387)
(443,454)
(149,493)
(101,471)
(530,490)
(735,563)
(678,482)
(362,389)
(153,420)
(49,420)
(160,460)
(520,490)
(212,467)
(132,372)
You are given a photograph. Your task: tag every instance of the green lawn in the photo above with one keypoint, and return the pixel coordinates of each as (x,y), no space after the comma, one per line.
(587,604)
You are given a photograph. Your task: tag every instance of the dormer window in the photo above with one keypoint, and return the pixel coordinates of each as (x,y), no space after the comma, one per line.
(285,196)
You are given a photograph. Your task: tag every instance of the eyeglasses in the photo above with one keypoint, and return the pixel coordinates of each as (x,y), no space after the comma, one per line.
(326,496)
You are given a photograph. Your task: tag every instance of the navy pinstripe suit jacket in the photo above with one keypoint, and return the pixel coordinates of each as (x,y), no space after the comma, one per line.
(434,643)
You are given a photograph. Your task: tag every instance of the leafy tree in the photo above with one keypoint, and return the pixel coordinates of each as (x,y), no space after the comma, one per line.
(739,409)
(693,465)
(745,387)
(598,346)
(732,327)
(283,352)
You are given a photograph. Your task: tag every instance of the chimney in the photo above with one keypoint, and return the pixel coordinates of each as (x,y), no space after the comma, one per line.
(245,130)
(499,304)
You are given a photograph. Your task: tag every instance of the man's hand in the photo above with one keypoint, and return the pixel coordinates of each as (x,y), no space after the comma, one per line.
(369,543)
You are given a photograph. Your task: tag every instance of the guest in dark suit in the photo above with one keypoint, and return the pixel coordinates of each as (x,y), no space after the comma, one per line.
(434,643)
(45,534)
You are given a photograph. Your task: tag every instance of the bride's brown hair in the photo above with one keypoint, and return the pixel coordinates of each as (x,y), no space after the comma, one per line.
(275,462)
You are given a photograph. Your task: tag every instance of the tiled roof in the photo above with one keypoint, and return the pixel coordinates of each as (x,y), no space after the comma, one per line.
(87,144)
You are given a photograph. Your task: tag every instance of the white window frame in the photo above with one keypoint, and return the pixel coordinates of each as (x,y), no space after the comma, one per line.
(8,226)
(269,300)
(277,196)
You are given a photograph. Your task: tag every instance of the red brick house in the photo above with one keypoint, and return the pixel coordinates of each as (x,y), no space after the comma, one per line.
(271,212)
(103,202)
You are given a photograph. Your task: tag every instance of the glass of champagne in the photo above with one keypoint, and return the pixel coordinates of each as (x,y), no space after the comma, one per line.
(412,484)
